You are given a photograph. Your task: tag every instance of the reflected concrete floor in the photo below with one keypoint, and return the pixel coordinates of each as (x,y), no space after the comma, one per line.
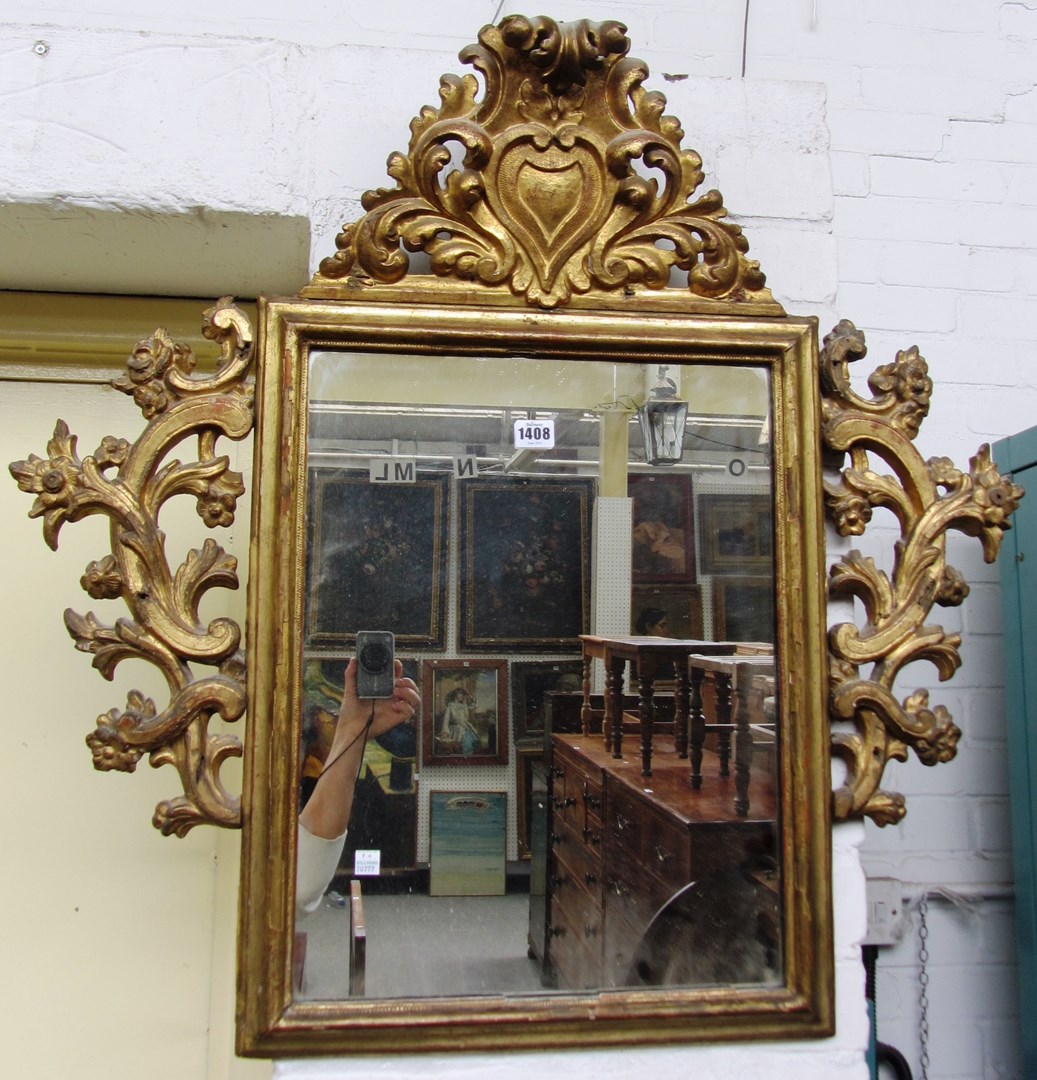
(423,946)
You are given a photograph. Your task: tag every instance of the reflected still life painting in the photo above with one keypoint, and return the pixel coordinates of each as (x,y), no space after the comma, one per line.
(381,551)
(526,579)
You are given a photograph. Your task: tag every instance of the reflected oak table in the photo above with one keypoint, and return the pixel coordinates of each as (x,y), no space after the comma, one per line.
(651,656)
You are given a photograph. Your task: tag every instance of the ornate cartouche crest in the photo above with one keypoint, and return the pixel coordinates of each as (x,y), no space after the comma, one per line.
(129,483)
(927,498)
(549,200)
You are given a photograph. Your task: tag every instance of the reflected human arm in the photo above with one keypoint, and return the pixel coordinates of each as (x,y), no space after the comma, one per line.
(326,814)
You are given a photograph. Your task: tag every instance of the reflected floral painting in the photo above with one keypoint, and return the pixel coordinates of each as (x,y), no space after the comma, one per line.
(377,558)
(525,559)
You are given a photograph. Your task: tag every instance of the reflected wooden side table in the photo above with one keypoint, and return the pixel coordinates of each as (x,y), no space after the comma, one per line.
(733,676)
(652,656)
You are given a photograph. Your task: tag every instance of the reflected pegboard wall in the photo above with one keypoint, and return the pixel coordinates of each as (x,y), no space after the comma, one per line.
(610,560)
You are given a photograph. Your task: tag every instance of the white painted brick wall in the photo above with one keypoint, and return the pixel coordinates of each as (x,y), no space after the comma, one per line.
(926,111)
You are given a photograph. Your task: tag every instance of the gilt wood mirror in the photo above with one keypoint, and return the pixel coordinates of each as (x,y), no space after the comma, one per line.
(621,652)
(540,418)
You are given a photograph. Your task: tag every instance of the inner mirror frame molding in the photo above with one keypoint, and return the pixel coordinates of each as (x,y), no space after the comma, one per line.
(583,270)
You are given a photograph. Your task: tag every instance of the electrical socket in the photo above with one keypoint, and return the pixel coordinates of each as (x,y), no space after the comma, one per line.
(886,917)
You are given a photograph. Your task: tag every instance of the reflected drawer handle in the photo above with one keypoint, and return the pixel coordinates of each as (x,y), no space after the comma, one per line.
(556,839)
(564,804)
(622,823)
(555,931)
(663,856)
(557,881)
(591,879)
(617,887)
(557,773)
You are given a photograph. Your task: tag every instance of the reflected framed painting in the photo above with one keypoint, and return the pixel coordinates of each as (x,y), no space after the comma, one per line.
(667,610)
(467,843)
(743,609)
(662,530)
(378,558)
(465,712)
(736,534)
(525,563)
(530,681)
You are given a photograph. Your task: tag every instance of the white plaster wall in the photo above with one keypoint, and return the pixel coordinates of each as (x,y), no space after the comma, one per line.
(881,155)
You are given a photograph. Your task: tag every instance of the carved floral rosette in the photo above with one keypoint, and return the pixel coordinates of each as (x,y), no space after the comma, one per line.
(129,483)
(548,201)
(927,498)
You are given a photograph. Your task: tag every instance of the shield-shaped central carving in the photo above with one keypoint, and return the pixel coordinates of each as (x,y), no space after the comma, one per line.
(551,200)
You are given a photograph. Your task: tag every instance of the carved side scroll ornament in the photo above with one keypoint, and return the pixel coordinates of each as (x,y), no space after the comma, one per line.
(548,201)
(129,483)
(977,503)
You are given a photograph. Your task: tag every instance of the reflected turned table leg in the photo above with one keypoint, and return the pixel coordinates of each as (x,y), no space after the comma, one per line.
(681,701)
(614,703)
(585,712)
(743,741)
(646,710)
(697,721)
(722,683)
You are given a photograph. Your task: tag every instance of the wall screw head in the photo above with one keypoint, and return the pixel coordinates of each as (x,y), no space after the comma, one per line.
(41,48)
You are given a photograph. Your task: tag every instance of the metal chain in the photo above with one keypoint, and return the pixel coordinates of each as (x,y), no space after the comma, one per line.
(923,982)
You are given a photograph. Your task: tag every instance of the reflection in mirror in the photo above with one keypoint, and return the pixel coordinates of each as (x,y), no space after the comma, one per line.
(587,796)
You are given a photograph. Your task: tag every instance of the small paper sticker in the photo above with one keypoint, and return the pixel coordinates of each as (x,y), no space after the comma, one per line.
(367,862)
(534,434)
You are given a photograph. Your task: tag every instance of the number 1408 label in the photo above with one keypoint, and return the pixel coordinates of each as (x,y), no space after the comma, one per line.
(534,434)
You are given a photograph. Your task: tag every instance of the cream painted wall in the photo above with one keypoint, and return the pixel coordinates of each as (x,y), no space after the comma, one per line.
(117,943)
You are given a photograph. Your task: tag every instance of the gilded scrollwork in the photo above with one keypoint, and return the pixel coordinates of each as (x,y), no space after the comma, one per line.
(129,483)
(549,200)
(927,498)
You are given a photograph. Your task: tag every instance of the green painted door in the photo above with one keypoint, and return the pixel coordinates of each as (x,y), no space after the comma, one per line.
(1017,456)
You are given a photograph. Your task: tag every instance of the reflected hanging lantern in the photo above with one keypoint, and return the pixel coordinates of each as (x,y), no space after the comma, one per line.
(662,419)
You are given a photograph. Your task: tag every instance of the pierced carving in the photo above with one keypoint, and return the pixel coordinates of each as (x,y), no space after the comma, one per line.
(927,498)
(548,201)
(129,483)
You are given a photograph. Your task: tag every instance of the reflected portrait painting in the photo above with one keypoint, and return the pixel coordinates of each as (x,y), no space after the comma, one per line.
(465,710)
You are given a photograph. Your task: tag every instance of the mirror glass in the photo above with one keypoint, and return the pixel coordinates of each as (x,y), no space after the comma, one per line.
(565,813)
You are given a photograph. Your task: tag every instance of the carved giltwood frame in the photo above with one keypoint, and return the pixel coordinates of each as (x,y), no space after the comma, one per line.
(563,108)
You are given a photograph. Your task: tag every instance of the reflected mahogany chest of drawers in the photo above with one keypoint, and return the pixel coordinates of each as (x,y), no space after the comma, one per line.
(621,846)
